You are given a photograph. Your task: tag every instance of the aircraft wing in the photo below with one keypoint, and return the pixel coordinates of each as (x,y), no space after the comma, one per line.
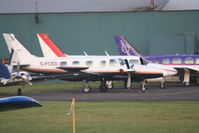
(72,68)
(182,69)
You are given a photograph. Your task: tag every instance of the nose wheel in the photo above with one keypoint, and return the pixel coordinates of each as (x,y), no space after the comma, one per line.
(19,91)
(162,85)
(86,87)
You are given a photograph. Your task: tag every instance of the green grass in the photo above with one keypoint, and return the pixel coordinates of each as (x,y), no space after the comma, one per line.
(105,117)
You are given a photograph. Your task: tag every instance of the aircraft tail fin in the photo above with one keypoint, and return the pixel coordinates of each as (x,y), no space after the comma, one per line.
(48,47)
(21,52)
(125,47)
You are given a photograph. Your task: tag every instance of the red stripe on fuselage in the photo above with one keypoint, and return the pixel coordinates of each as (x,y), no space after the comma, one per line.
(51,45)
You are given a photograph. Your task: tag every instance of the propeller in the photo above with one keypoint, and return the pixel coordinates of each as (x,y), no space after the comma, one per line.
(25,76)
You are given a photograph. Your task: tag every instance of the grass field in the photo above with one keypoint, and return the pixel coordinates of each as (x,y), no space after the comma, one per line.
(105,117)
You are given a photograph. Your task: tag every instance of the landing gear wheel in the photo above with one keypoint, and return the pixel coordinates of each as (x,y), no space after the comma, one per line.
(143,89)
(87,89)
(162,85)
(19,92)
(110,85)
(186,84)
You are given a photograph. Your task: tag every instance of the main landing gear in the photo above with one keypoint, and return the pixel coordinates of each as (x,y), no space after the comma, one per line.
(104,86)
(129,86)
(186,81)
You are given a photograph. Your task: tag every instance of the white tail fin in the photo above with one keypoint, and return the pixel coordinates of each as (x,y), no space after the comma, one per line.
(21,52)
(49,49)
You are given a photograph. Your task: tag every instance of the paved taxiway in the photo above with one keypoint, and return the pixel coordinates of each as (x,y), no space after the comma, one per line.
(171,93)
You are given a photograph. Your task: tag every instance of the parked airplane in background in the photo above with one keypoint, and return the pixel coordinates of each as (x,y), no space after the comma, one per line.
(88,68)
(10,78)
(187,65)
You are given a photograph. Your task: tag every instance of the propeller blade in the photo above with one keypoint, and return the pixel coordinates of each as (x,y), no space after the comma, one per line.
(129,81)
(127,64)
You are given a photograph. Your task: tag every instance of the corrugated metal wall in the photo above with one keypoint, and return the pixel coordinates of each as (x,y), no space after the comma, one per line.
(93,32)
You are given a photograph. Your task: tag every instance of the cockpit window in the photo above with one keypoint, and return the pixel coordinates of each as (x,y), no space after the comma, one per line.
(189,60)
(165,61)
(112,62)
(176,61)
(121,61)
(143,61)
(133,61)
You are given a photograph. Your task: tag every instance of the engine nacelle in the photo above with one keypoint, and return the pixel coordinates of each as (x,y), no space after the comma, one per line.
(21,75)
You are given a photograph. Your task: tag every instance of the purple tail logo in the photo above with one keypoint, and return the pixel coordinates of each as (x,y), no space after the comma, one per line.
(124,47)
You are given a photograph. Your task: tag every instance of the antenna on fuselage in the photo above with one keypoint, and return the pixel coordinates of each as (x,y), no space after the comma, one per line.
(85,53)
(106,53)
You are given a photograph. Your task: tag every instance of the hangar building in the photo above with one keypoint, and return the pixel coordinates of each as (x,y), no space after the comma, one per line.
(154,27)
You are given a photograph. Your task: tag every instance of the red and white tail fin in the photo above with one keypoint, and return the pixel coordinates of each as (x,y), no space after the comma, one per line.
(48,47)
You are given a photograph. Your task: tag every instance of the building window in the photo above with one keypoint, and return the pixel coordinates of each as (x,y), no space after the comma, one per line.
(89,63)
(103,63)
(64,63)
(112,62)
(176,61)
(165,61)
(75,63)
(189,60)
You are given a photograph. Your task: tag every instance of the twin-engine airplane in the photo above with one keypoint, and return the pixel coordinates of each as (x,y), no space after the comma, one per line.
(87,68)
(187,65)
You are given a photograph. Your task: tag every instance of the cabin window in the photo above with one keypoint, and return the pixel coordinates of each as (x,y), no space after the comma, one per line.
(75,63)
(189,60)
(112,62)
(103,63)
(89,63)
(176,61)
(197,60)
(63,63)
(121,61)
(133,62)
(165,61)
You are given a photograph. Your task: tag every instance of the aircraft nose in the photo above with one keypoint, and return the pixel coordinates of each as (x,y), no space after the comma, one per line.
(170,72)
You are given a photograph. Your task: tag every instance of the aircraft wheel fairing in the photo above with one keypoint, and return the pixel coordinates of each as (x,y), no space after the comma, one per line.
(110,85)
(19,91)
(162,85)
(87,89)
(186,84)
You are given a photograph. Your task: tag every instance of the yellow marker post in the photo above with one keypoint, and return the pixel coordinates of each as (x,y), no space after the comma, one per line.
(73,109)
